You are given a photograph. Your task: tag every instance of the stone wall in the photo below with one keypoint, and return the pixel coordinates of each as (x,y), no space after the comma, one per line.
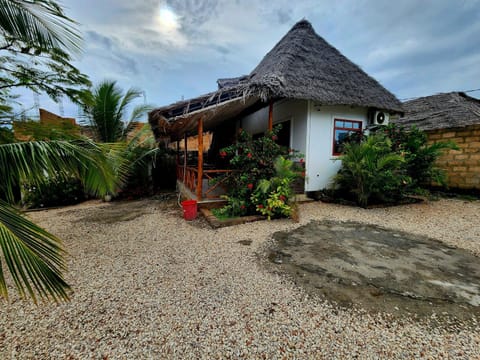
(463,165)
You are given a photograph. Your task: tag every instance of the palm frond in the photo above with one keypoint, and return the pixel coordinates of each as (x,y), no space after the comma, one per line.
(34,258)
(39,22)
(39,160)
(129,96)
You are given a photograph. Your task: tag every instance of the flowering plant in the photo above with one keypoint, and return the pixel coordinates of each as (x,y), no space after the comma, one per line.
(255,162)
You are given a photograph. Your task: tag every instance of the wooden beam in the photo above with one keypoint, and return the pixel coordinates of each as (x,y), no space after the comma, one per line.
(270,116)
(200,160)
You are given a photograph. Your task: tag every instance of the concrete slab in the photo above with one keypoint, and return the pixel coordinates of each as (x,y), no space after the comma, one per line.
(380,269)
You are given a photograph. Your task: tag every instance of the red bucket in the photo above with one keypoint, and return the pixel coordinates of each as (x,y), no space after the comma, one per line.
(189,209)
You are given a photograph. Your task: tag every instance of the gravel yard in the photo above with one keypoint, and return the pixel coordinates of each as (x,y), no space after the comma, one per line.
(150,285)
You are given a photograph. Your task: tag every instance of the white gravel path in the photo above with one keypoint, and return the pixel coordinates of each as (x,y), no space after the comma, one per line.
(156,287)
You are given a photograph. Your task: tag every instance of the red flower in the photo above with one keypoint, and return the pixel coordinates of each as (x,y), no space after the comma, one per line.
(250,186)
(242,207)
(274,137)
(249,155)
(303,173)
(223,154)
(302,161)
(260,206)
(282,197)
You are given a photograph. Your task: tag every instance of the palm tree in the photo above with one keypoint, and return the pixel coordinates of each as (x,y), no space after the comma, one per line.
(132,150)
(107,111)
(39,22)
(34,257)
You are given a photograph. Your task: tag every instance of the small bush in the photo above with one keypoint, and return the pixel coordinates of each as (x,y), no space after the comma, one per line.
(419,156)
(371,171)
(389,164)
(274,197)
(55,192)
(261,182)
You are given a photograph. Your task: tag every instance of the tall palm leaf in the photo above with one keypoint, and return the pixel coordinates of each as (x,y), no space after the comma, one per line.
(108,111)
(39,22)
(34,257)
(36,161)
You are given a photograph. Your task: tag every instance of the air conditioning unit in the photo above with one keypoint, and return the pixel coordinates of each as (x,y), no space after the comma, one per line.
(381,118)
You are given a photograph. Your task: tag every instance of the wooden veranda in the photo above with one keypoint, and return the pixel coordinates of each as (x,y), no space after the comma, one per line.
(197,179)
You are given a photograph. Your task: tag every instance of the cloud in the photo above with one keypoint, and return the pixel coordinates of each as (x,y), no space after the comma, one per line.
(106,54)
(412,48)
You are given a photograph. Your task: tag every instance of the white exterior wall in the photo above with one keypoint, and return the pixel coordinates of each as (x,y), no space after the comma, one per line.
(311,133)
(294,110)
(321,165)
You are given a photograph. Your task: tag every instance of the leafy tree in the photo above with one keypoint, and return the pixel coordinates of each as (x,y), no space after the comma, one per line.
(134,150)
(39,22)
(36,40)
(107,111)
(34,257)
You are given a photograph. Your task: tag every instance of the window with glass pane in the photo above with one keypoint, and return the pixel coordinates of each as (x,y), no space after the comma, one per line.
(343,131)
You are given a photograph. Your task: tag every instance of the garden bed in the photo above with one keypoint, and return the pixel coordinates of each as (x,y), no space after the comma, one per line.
(215,222)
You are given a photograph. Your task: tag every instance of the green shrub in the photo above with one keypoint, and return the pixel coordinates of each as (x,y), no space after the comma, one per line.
(388,164)
(56,192)
(6,135)
(274,197)
(371,171)
(419,156)
(255,163)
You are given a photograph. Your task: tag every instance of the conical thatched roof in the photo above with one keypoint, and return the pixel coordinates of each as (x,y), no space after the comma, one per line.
(304,66)
(441,111)
(301,66)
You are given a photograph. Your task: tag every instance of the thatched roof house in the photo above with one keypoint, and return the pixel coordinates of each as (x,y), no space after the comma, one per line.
(303,83)
(452,116)
(302,65)
(441,111)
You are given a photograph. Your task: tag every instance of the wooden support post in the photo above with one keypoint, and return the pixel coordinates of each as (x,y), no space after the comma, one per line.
(200,160)
(184,157)
(178,152)
(270,116)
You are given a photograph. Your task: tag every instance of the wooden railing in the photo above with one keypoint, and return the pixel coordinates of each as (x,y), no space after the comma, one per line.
(189,177)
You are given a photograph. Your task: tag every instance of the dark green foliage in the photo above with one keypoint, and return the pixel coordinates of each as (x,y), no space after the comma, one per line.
(107,111)
(253,162)
(371,171)
(419,156)
(37,131)
(274,197)
(164,172)
(388,164)
(55,192)
(6,135)
(37,40)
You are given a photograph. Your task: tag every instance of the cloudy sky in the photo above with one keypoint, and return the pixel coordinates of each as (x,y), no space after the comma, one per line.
(174,49)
